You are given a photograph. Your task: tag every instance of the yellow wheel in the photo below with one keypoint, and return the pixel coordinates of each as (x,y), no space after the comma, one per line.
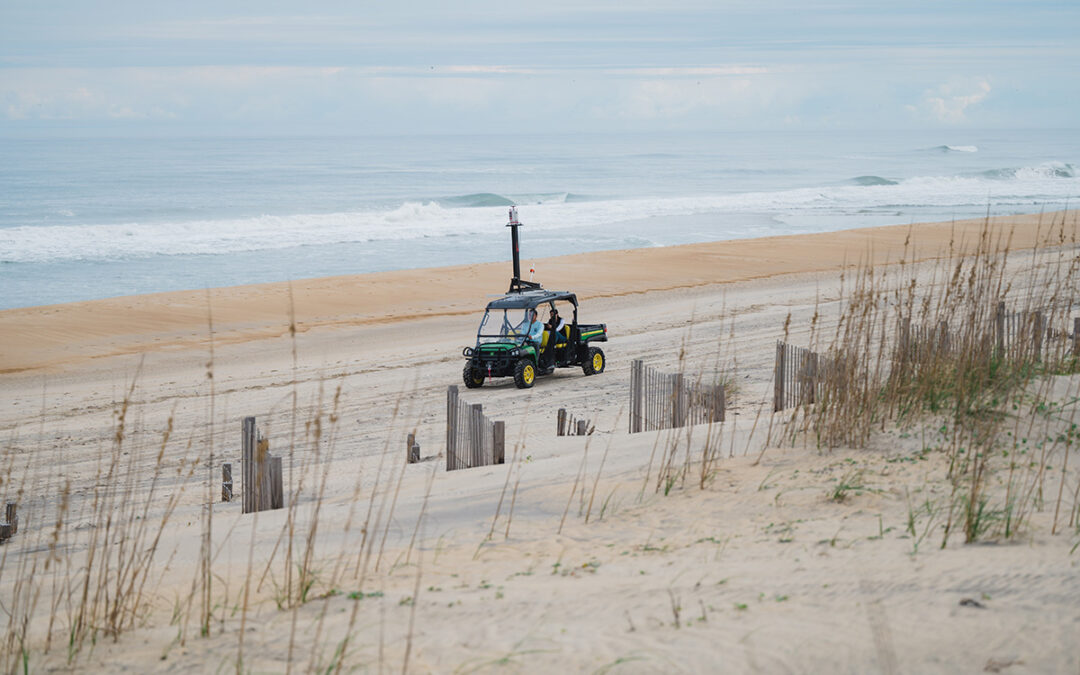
(595,363)
(474,377)
(524,374)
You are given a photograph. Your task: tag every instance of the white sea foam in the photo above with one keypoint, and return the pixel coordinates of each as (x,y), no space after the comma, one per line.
(1045,183)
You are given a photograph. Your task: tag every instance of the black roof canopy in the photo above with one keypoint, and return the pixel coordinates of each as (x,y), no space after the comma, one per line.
(531,299)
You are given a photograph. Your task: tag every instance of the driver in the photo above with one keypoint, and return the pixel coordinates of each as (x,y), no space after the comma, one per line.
(535,329)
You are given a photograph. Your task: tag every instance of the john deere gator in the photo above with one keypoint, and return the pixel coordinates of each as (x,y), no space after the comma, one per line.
(503,347)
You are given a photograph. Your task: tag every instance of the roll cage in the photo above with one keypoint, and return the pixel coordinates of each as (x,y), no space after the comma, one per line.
(525,301)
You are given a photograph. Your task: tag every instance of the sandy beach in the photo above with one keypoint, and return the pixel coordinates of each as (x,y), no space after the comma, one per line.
(569,557)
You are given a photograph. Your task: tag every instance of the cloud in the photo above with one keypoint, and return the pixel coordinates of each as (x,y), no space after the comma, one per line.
(949,103)
(692,71)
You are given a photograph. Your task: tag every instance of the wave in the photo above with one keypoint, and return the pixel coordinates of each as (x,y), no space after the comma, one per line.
(481,214)
(871,181)
(954,148)
(1042,171)
(484,199)
(476,200)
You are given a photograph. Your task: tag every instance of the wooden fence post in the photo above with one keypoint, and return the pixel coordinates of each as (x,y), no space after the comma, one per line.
(247,465)
(637,390)
(561,422)
(10,526)
(277,493)
(778,377)
(451,427)
(678,409)
(943,338)
(582,427)
(905,340)
(263,480)
(1039,326)
(226,482)
(1076,336)
(412,450)
(999,321)
(476,435)
(498,446)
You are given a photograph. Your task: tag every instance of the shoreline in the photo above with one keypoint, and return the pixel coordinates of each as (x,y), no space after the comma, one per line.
(52,337)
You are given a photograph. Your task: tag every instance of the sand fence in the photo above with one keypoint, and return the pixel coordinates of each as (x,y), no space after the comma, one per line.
(1035,336)
(660,400)
(471,438)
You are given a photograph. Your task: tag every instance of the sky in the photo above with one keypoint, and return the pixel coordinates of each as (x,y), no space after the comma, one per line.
(364,67)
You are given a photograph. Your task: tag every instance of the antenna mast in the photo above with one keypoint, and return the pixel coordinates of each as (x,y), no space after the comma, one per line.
(516,283)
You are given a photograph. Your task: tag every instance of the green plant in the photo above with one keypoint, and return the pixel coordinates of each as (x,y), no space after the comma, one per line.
(851,482)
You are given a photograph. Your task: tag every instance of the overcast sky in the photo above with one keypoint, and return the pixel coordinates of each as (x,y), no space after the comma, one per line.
(468,67)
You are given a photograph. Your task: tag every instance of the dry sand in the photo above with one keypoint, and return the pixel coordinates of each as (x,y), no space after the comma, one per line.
(759,572)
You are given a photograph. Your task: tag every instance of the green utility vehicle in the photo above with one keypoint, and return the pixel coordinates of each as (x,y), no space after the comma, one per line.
(503,347)
(504,350)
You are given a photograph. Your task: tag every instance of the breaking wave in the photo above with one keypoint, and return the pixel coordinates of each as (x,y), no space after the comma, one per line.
(872,180)
(954,148)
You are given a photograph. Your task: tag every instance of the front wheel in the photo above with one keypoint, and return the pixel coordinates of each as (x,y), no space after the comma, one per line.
(595,363)
(474,377)
(524,374)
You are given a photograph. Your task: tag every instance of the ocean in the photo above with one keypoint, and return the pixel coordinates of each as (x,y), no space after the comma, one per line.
(86,218)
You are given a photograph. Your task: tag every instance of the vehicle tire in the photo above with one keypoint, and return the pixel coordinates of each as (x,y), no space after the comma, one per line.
(594,364)
(474,377)
(524,374)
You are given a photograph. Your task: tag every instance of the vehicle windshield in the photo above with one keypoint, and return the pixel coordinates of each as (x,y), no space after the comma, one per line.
(503,325)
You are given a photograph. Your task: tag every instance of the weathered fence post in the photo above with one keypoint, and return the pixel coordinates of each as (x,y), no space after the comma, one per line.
(778,378)
(999,321)
(247,465)
(582,427)
(809,378)
(412,450)
(1038,325)
(678,408)
(226,482)
(1076,336)
(451,427)
(263,480)
(476,429)
(637,370)
(943,338)
(262,476)
(10,526)
(498,446)
(277,493)
(905,340)
(561,422)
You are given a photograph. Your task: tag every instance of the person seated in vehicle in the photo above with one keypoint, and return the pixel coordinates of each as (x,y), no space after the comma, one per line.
(535,329)
(556,328)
